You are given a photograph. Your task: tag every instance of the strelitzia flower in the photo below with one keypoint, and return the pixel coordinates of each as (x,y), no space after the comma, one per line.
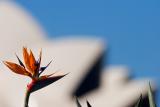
(32,69)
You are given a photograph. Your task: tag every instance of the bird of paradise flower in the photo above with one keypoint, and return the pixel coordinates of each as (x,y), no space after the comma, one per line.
(32,69)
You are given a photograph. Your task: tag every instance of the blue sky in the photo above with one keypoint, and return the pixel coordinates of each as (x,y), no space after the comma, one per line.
(130,27)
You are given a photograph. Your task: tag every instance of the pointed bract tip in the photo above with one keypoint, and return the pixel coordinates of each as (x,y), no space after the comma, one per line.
(78,103)
(88,104)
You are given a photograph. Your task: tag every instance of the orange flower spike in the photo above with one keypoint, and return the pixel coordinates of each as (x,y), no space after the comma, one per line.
(32,63)
(27,60)
(16,68)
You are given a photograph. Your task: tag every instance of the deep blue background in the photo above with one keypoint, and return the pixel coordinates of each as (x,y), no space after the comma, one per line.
(130,27)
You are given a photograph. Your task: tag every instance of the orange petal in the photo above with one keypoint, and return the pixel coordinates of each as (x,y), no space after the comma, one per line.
(16,68)
(52,75)
(26,59)
(46,76)
(32,63)
(38,63)
(40,58)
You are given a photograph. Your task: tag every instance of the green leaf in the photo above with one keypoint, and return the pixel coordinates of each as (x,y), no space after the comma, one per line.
(88,104)
(151,98)
(77,102)
(139,103)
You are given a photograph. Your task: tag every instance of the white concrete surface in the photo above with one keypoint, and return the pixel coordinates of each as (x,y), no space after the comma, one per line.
(74,55)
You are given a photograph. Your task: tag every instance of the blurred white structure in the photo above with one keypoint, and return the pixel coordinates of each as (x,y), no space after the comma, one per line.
(75,55)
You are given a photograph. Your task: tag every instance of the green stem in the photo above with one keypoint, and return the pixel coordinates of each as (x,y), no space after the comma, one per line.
(26,100)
